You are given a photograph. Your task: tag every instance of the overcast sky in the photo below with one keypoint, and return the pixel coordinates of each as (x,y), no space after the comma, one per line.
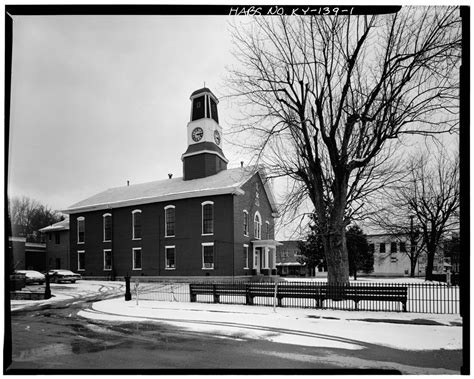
(99,100)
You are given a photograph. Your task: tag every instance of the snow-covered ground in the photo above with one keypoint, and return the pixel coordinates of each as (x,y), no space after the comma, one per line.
(368,279)
(71,291)
(318,328)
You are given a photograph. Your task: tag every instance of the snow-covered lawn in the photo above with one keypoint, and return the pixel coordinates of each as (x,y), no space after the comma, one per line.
(318,328)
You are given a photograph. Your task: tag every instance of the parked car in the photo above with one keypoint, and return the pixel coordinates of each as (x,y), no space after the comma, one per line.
(32,276)
(57,276)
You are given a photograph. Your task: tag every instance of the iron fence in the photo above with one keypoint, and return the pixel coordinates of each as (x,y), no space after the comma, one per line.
(397,297)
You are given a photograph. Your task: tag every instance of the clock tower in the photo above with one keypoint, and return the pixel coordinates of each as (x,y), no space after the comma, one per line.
(204,156)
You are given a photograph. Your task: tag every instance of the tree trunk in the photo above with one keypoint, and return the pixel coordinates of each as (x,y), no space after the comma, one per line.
(430,264)
(412,267)
(336,255)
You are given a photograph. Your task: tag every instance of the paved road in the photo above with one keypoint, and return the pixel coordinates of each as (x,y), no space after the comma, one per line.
(54,337)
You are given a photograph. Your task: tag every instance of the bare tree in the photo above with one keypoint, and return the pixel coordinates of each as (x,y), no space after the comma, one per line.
(432,196)
(326,99)
(27,216)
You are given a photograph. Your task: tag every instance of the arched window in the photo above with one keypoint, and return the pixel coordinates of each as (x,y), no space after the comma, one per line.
(257,225)
(170,218)
(207,217)
(267,230)
(80,229)
(137,224)
(107,227)
(246,223)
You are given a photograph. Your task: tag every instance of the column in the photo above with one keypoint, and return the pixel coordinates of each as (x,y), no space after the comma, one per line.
(266,256)
(274,258)
(253,258)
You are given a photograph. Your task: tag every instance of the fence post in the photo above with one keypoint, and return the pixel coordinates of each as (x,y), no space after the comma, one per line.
(248,296)
(216,296)
(275,296)
(128,295)
(192,295)
(47,289)
(137,284)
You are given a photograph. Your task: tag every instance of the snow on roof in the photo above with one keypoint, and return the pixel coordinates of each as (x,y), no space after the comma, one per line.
(224,182)
(61,225)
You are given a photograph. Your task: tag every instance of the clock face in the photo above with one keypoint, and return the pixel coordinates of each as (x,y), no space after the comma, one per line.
(197,134)
(217,137)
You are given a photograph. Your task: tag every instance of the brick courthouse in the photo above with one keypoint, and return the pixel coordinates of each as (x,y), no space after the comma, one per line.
(213,221)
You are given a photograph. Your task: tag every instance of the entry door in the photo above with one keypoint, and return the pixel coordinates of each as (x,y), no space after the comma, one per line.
(257,258)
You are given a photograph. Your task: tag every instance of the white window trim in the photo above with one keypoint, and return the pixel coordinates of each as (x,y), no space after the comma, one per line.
(257,236)
(202,218)
(80,252)
(168,207)
(166,248)
(133,258)
(82,218)
(107,269)
(246,232)
(103,226)
(202,255)
(246,257)
(267,230)
(133,224)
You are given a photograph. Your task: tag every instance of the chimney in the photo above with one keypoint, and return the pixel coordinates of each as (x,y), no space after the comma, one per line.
(128,183)
(241,164)
(170,176)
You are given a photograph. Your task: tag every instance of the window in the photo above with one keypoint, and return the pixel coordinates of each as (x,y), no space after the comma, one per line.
(246,255)
(107,221)
(57,238)
(257,225)
(137,224)
(170,256)
(403,247)
(137,258)
(214,111)
(393,247)
(207,217)
(267,230)
(198,108)
(208,256)
(246,223)
(169,221)
(107,260)
(382,248)
(80,229)
(81,256)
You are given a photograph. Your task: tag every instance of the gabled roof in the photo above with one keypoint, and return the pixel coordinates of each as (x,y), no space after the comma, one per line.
(61,225)
(225,182)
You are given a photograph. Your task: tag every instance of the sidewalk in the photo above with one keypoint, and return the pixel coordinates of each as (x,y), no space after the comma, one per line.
(306,327)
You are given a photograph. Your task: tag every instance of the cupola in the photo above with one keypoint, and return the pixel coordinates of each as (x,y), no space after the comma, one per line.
(204,155)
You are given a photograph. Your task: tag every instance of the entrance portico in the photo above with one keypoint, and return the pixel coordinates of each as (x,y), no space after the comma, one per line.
(264,256)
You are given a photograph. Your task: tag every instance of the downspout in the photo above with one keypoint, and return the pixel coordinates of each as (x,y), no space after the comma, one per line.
(112,263)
